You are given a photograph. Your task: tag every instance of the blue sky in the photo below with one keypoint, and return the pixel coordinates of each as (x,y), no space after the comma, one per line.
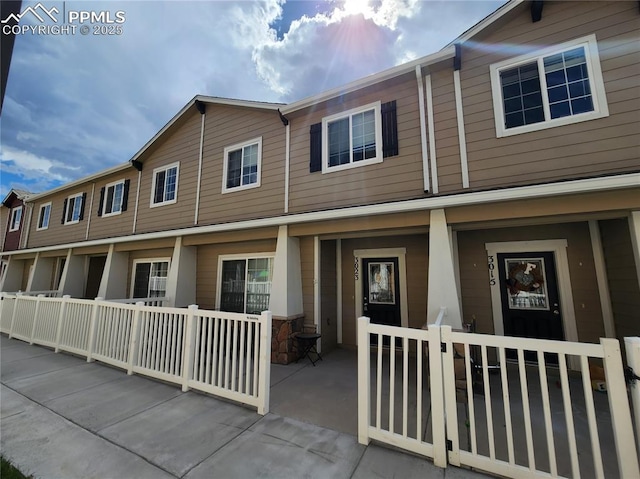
(77,104)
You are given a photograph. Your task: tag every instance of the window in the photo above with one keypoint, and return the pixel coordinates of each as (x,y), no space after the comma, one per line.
(43,217)
(165,185)
(242,164)
(16,216)
(245,284)
(354,138)
(554,87)
(150,278)
(73,210)
(113,198)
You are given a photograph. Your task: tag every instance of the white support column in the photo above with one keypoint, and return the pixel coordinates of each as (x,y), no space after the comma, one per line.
(73,276)
(42,273)
(114,276)
(181,281)
(634,228)
(443,290)
(286,284)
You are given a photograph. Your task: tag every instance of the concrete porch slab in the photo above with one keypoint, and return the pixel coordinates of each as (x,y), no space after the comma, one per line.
(15,367)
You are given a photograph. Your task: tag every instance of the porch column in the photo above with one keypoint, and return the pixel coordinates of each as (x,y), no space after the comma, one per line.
(285,301)
(73,275)
(42,273)
(634,228)
(13,277)
(114,277)
(442,289)
(181,281)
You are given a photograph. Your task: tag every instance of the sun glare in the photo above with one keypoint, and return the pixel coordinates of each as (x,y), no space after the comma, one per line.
(353,7)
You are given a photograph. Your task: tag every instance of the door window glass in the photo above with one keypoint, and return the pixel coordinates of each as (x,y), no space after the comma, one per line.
(526,284)
(382,283)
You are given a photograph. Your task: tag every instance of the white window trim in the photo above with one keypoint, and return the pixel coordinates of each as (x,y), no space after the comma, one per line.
(153,184)
(14,213)
(235,147)
(231,257)
(145,260)
(376,106)
(42,207)
(66,210)
(104,200)
(600,108)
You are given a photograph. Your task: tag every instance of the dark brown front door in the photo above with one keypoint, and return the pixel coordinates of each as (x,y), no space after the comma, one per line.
(94,276)
(529,294)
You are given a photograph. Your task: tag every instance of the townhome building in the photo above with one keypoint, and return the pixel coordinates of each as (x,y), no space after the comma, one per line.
(498,177)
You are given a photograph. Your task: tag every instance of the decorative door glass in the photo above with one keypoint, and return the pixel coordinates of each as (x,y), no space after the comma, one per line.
(382,283)
(526,283)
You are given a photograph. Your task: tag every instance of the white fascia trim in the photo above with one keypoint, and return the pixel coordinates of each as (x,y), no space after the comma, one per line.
(589,185)
(487,21)
(399,70)
(232,102)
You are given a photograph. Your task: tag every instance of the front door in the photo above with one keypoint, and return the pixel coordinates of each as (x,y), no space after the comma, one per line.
(94,276)
(529,294)
(381,295)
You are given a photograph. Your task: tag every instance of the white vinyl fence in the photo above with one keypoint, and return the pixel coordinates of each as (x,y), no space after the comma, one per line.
(226,354)
(435,393)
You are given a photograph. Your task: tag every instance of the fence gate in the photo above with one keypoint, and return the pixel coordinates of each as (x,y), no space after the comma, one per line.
(474,408)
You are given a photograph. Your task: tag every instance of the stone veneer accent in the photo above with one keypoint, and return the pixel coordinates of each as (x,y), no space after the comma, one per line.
(284,347)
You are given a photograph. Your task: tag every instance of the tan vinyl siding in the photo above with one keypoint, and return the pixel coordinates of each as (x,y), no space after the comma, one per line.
(207,273)
(181,146)
(621,273)
(59,233)
(306,265)
(474,277)
(328,304)
(396,178)
(118,224)
(226,127)
(591,148)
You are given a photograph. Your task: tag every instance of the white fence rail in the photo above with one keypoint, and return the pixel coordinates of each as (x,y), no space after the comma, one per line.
(150,301)
(226,354)
(523,419)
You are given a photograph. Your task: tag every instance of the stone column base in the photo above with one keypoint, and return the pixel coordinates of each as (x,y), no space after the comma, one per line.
(284,347)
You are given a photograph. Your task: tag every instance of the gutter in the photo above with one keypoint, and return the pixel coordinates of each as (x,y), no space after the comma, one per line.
(631,180)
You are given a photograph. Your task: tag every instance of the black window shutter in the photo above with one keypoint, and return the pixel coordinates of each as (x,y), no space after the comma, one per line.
(125,195)
(64,210)
(101,201)
(84,200)
(389,129)
(315,163)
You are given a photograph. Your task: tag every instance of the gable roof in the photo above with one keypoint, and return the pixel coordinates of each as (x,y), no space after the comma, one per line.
(486,22)
(20,194)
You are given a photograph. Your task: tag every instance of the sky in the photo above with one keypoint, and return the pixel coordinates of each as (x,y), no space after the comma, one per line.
(89,97)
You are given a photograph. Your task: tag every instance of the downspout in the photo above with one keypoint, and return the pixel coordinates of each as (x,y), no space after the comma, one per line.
(423,131)
(287,159)
(138,166)
(202,108)
(93,190)
(26,224)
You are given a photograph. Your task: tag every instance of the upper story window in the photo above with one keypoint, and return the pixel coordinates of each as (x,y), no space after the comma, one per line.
(43,216)
(16,216)
(556,86)
(358,137)
(242,165)
(113,198)
(165,185)
(73,209)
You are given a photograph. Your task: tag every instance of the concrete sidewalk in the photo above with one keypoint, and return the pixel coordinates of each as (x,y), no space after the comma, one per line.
(62,417)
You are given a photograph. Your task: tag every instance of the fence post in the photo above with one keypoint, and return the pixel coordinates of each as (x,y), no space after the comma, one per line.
(438,410)
(632,346)
(35,317)
(619,407)
(264,363)
(134,337)
(364,380)
(187,351)
(63,310)
(92,329)
(13,316)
